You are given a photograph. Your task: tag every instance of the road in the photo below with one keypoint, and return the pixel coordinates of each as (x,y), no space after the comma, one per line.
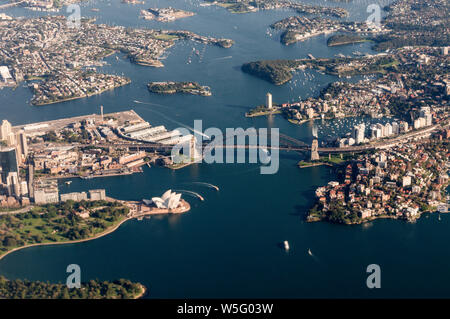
(301,146)
(19,211)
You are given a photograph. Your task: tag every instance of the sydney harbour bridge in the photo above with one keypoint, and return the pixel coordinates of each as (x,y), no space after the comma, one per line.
(285,143)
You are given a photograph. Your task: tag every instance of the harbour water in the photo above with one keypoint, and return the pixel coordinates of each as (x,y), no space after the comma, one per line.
(228,245)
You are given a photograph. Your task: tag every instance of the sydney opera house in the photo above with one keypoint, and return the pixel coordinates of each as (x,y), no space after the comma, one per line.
(168,200)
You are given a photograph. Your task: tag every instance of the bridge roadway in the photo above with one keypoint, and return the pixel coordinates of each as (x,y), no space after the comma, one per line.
(290,145)
(12,4)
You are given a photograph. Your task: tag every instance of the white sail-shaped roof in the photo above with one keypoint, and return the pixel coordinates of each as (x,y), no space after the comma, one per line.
(174,201)
(158,202)
(166,195)
(168,200)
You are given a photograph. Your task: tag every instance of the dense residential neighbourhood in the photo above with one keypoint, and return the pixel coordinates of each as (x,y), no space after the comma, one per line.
(63,60)
(408,78)
(407,22)
(396,166)
(410,82)
(401,182)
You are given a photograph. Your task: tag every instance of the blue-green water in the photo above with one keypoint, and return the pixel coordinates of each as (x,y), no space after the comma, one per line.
(227,246)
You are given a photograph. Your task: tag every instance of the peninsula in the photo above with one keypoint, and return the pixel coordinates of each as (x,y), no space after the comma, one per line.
(179,87)
(407,23)
(301,28)
(66,70)
(348,38)
(72,221)
(398,183)
(279,72)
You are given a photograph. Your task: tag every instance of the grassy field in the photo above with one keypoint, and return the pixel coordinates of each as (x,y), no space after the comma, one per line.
(58,223)
(333,160)
(166,37)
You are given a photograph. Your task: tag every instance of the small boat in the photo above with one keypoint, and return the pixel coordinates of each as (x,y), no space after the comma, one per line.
(309,252)
(286,245)
(439,217)
(68,182)
(265,151)
(140,218)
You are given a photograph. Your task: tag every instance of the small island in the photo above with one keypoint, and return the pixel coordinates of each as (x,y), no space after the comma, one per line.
(179,87)
(165,14)
(94,289)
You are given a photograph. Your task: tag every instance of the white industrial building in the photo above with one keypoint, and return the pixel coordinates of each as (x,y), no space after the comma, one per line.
(144,132)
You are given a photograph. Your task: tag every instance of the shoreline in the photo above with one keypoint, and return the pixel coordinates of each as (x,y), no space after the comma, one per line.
(80,97)
(93,176)
(373,218)
(143,292)
(383,216)
(315,164)
(102,234)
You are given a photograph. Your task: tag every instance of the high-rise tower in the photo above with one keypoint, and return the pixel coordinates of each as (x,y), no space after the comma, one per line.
(5,130)
(269,100)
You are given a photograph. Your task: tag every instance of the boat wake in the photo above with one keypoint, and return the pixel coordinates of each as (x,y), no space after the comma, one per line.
(207,185)
(223,58)
(170,119)
(312,255)
(197,195)
(148,103)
